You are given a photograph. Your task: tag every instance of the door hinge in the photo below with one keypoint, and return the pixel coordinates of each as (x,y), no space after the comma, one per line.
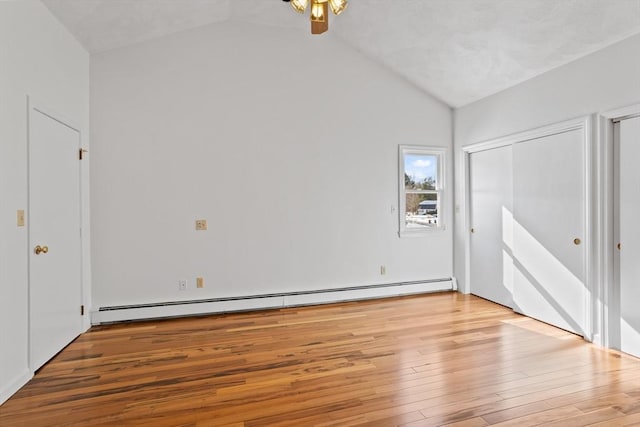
(81,152)
(82,310)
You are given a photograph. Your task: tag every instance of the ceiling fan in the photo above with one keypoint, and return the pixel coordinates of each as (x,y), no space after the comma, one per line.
(319,11)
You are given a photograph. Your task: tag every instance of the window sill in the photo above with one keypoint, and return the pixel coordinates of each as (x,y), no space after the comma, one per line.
(422,232)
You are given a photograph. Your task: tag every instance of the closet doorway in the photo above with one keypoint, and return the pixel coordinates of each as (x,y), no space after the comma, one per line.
(528,222)
(627,230)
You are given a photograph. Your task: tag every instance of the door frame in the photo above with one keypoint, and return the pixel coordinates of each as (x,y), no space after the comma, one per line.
(65,121)
(610,306)
(592,197)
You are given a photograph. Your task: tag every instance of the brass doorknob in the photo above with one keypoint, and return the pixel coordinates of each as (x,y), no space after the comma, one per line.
(473,230)
(41,250)
(619,246)
(576,241)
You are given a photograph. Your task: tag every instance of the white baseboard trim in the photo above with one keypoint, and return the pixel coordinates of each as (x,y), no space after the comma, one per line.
(261,302)
(15,385)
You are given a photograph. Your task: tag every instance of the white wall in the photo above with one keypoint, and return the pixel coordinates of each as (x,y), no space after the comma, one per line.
(604,80)
(39,58)
(285,142)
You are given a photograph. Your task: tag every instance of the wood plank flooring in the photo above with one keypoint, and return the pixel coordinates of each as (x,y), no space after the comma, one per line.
(440,359)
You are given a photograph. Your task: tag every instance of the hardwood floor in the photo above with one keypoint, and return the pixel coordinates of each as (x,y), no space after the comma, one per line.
(440,359)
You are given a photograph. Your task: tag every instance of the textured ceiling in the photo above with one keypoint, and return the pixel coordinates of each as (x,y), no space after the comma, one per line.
(457,50)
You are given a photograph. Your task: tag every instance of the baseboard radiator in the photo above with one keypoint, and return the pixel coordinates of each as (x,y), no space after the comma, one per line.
(265,301)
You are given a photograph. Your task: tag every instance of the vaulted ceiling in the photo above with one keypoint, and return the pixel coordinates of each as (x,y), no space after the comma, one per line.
(457,50)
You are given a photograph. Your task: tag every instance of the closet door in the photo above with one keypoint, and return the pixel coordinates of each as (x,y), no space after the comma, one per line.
(491,214)
(629,232)
(549,230)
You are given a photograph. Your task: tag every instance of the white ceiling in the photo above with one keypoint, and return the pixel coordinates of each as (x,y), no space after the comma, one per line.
(457,50)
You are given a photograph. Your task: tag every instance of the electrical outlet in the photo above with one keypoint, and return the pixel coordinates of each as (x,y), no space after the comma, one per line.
(182,285)
(199,282)
(201,224)
(383,270)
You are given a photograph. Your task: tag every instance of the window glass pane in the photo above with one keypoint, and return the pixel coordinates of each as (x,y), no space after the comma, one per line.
(421,194)
(420,171)
(421,210)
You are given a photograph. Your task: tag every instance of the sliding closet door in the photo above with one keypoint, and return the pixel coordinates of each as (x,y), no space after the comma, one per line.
(629,232)
(549,229)
(491,272)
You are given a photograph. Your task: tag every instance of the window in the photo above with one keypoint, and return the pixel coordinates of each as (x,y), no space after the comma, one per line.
(421,188)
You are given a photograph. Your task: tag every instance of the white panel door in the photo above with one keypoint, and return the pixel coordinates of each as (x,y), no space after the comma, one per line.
(629,231)
(491,189)
(549,230)
(54,227)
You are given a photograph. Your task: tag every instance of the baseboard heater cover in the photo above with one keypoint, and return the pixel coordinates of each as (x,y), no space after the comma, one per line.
(125,313)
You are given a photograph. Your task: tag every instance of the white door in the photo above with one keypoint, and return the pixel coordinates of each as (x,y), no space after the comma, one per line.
(549,230)
(491,189)
(55,292)
(629,232)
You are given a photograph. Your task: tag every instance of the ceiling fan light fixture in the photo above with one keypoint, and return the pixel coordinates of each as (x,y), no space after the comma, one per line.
(319,16)
(319,11)
(299,5)
(338,6)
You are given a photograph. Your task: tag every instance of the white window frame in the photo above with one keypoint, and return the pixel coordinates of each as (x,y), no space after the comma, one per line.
(440,154)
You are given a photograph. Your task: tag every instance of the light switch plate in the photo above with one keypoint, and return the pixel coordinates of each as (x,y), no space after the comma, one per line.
(20,219)
(199,282)
(201,224)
